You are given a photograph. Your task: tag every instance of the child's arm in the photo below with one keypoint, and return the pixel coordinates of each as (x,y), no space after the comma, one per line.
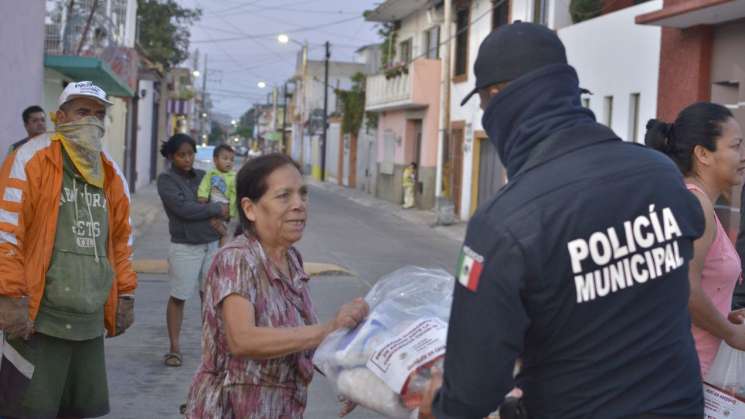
(203,192)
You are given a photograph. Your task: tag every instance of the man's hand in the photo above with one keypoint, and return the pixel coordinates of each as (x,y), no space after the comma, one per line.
(425,408)
(14,320)
(125,313)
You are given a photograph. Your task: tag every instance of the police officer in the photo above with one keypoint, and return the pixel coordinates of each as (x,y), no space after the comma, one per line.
(578,266)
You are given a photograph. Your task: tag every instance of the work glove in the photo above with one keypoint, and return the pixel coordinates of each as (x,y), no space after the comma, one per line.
(14,319)
(125,313)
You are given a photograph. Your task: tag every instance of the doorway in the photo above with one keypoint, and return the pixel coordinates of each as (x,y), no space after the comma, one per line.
(456,163)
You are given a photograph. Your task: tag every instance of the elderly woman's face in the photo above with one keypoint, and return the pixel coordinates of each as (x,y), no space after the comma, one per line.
(279,216)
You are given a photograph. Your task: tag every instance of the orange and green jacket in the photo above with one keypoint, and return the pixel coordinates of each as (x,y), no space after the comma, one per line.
(30,187)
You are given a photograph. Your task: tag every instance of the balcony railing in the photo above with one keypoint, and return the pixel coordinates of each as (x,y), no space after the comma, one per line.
(408,88)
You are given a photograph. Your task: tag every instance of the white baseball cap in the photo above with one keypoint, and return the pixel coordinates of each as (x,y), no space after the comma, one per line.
(83,89)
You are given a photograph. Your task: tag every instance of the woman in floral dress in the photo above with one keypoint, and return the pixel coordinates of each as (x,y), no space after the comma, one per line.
(260,328)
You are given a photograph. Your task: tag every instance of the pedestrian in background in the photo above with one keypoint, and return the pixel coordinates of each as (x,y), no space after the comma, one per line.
(218,185)
(706,143)
(35,123)
(65,264)
(409,185)
(557,268)
(260,328)
(194,229)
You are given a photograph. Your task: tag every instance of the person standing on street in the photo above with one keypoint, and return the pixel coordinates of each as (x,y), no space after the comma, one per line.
(35,123)
(706,143)
(578,266)
(409,183)
(195,233)
(65,264)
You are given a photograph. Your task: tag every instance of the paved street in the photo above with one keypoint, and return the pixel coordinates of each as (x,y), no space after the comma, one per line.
(367,237)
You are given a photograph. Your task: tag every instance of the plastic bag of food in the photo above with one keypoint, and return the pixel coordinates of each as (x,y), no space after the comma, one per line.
(728,371)
(384,364)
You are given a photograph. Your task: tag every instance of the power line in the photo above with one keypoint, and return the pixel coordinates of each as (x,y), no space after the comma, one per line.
(273,34)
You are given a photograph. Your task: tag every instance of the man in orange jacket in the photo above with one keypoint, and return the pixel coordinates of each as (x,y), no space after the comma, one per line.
(65,264)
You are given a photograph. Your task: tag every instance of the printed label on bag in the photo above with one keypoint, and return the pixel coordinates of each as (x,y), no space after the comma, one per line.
(720,405)
(395,359)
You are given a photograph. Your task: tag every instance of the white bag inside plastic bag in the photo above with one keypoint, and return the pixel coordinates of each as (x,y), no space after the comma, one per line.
(728,371)
(384,363)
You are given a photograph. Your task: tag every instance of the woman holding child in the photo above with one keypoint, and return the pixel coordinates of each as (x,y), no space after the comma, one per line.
(194,229)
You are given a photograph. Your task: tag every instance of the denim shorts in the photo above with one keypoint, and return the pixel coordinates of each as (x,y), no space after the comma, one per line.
(188,267)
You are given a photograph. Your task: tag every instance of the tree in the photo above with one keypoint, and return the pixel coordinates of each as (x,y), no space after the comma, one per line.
(246,123)
(217,134)
(353,105)
(585,9)
(164,30)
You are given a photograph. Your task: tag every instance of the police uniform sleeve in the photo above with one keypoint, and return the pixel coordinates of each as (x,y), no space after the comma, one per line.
(485,334)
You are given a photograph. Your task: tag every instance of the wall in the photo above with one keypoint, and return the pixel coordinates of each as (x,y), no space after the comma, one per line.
(116,125)
(53,81)
(685,61)
(728,88)
(471,112)
(615,57)
(21,65)
(414,26)
(333,136)
(144,132)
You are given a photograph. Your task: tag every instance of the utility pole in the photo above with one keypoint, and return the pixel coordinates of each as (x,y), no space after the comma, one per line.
(284,122)
(325,109)
(445,209)
(202,117)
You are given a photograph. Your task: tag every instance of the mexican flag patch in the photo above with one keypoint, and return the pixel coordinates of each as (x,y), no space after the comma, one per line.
(470,265)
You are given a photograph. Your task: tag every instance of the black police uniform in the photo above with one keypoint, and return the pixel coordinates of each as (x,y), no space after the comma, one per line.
(578,266)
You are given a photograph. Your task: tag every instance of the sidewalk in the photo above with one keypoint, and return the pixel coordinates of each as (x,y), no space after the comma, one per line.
(427,218)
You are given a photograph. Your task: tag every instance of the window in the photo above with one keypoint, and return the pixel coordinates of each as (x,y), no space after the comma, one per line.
(608,111)
(405,51)
(500,14)
(462,19)
(634,117)
(540,12)
(432,43)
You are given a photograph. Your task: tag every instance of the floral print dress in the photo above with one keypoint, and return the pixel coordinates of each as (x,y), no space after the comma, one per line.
(226,386)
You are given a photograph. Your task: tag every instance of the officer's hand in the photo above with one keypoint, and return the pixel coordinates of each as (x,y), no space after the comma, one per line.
(737,316)
(736,339)
(425,408)
(14,319)
(125,313)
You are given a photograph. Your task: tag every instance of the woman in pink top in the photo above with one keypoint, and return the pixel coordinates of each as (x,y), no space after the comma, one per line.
(706,143)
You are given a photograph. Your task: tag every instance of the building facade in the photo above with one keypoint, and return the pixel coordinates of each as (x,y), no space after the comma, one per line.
(405,96)
(702,49)
(21,66)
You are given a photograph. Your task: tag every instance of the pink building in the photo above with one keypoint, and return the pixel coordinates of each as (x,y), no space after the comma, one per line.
(406,97)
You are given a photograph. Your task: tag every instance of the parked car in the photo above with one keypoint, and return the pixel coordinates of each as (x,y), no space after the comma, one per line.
(203,159)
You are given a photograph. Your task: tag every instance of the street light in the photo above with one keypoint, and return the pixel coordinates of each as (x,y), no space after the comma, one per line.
(261,84)
(283,38)
(195,73)
(234,122)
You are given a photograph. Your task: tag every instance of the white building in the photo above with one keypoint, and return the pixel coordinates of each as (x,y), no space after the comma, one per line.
(615,58)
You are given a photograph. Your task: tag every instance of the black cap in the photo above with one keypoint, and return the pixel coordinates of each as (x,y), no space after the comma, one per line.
(514,50)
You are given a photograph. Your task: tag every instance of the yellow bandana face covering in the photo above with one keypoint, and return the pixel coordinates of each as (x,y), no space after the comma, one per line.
(83,141)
